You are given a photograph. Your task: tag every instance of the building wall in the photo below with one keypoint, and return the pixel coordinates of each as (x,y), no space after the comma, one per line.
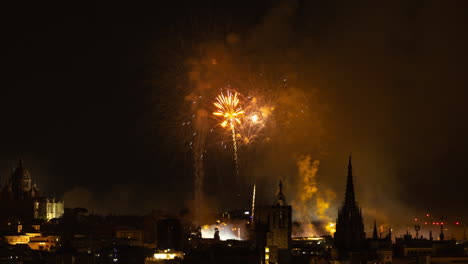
(385,256)
(17,239)
(273,227)
(412,251)
(47,243)
(135,237)
(48,208)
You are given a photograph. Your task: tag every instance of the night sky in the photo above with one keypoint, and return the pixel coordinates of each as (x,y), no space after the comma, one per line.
(93,97)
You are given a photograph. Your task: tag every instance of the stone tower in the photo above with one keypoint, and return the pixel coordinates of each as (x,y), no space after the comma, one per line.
(349,236)
(273,228)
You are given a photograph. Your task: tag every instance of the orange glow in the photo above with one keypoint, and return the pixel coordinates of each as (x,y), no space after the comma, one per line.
(254,118)
(168,255)
(228,108)
(331,228)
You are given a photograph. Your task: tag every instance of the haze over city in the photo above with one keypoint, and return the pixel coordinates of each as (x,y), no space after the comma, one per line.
(195,108)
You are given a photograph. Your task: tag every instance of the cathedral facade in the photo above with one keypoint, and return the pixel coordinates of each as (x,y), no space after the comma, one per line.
(20,199)
(349,238)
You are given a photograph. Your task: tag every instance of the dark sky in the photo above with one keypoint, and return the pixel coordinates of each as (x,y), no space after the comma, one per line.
(92,98)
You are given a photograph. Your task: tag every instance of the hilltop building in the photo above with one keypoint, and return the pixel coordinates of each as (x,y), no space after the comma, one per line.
(20,199)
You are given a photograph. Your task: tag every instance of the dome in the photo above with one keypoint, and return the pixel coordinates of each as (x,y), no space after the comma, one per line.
(20,172)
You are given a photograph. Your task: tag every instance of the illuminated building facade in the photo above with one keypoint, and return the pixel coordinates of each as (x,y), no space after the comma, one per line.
(31,236)
(46,208)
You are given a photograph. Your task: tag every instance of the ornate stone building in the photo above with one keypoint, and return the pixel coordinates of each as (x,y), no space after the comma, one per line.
(20,185)
(350,238)
(20,199)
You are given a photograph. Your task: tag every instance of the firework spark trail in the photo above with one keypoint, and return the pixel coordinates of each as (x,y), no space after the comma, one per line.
(253,202)
(198,151)
(234,144)
(228,108)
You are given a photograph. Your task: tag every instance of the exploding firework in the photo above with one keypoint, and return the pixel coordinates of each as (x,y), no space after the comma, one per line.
(229,109)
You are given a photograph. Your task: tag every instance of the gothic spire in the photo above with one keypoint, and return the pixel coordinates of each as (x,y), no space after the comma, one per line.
(441,236)
(281,199)
(349,197)
(374,234)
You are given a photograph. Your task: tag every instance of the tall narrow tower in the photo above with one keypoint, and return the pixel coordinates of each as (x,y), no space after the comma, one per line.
(441,236)
(349,235)
(273,228)
(374,234)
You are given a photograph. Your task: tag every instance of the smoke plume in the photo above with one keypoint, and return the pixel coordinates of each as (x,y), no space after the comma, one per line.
(310,204)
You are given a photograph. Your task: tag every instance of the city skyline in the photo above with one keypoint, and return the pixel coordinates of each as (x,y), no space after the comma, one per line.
(94,101)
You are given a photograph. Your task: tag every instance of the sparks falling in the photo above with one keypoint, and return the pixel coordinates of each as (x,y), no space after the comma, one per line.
(228,107)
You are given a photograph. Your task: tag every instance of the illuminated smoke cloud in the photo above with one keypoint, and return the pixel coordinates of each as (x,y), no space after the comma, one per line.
(310,203)
(227,231)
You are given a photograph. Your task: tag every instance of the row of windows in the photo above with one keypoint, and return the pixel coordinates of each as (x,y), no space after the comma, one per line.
(419,252)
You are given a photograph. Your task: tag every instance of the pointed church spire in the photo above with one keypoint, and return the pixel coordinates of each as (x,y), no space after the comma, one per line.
(441,236)
(349,197)
(281,199)
(349,235)
(374,234)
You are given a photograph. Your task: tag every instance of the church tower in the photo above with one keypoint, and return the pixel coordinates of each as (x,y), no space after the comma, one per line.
(374,233)
(273,228)
(349,236)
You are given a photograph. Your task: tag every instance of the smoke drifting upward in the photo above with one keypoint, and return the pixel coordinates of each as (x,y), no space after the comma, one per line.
(198,150)
(311,204)
(385,80)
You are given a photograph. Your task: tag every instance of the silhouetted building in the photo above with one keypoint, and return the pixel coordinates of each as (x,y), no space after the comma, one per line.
(379,250)
(410,247)
(273,228)
(20,200)
(349,236)
(169,234)
(19,186)
(374,233)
